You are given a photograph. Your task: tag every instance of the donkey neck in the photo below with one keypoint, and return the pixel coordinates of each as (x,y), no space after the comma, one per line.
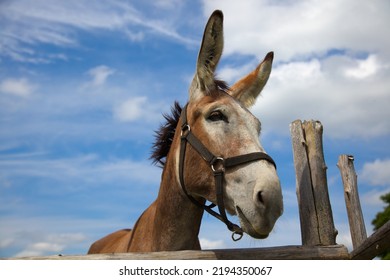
(177,219)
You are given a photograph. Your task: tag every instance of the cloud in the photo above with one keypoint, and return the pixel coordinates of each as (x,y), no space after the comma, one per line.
(57,23)
(344,235)
(233,73)
(298,73)
(167,4)
(137,108)
(99,75)
(349,99)
(323,69)
(376,173)
(86,169)
(372,198)
(77,110)
(19,87)
(211,244)
(47,200)
(364,68)
(297,29)
(40,248)
(131,109)
(39,236)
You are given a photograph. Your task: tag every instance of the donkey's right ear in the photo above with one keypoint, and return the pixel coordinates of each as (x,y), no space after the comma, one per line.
(209,55)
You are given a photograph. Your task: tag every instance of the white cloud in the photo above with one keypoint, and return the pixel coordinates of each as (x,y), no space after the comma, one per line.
(38,236)
(137,108)
(50,244)
(233,73)
(99,75)
(132,109)
(372,198)
(40,249)
(56,23)
(323,68)
(167,4)
(211,244)
(36,226)
(298,73)
(376,173)
(364,68)
(344,235)
(295,29)
(86,169)
(18,87)
(319,89)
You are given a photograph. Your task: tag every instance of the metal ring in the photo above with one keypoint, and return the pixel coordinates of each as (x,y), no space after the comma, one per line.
(222,164)
(240,234)
(185,128)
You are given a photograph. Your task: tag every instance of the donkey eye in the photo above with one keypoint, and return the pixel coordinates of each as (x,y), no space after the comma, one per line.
(217,116)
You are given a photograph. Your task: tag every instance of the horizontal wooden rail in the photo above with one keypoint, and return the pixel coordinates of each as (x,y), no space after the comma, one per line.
(331,252)
(376,244)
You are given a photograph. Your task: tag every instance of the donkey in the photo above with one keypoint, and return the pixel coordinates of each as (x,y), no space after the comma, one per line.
(210,151)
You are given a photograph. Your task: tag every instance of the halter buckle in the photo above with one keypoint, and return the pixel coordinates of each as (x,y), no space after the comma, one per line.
(221,165)
(185,129)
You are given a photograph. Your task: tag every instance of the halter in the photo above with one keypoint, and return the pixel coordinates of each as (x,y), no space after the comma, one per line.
(218,165)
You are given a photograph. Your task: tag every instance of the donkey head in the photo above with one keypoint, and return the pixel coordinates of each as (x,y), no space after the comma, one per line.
(220,119)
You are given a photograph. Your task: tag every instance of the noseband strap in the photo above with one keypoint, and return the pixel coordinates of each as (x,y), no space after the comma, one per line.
(218,166)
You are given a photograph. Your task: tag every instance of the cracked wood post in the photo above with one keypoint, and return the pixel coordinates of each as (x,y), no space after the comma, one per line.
(352,202)
(315,152)
(303,186)
(317,226)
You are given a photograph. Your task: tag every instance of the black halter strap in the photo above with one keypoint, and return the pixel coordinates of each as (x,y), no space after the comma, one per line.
(218,166)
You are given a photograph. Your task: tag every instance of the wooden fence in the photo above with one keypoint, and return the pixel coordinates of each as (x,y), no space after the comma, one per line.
(317,227)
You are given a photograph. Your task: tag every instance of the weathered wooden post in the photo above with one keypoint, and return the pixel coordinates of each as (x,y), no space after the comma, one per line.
(316,218)
(352,202)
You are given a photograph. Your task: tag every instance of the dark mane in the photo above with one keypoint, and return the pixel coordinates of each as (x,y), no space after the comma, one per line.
(164,136)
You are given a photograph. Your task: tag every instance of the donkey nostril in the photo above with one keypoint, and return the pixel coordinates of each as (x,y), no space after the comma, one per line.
(260,197)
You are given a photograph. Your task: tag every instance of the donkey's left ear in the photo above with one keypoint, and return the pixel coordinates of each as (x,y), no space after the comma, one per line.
(209,55)
(248,88)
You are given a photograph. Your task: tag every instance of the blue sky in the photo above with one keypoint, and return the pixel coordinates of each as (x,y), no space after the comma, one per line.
(83,85)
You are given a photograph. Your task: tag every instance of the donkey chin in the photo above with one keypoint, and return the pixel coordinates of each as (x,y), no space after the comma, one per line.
(260,228)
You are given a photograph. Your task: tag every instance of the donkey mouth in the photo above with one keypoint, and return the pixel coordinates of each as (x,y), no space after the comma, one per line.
(247,226)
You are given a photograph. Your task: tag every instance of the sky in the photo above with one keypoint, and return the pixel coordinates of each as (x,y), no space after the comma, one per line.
(84,84)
